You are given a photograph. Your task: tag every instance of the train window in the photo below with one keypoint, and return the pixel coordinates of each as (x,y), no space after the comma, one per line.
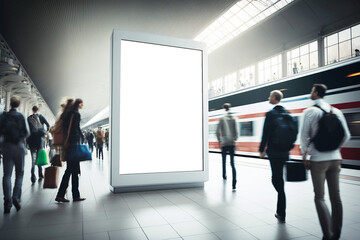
(212,131)
(246,129)
(353,122)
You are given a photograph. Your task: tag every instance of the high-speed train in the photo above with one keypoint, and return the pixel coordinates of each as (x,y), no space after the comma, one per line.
(250,105)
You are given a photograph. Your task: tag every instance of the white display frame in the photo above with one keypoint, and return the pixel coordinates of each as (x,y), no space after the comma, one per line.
(154,180)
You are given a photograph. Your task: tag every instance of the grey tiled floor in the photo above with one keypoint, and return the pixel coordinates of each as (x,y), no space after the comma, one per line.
(212,212)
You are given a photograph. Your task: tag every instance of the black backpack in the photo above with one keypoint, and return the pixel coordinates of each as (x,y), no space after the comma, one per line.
(284,133)
(35,125)
(330,133)
(11,128)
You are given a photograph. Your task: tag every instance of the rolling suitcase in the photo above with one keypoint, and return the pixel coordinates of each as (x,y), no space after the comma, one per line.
(295,171)
(51,177)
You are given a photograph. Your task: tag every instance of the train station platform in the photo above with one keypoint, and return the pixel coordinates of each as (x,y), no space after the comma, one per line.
(212,212)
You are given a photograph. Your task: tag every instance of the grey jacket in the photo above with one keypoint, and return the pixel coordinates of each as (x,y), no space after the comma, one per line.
(227,131)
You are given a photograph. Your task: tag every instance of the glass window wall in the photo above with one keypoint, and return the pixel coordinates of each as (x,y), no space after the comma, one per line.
(302,58)
(342,45)
(270,69)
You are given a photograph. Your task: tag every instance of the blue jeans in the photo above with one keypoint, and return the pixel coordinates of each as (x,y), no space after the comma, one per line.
(14,155)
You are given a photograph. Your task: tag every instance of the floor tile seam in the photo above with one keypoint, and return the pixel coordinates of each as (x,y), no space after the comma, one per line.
(82,222)
(168,223)
(112,230)
(235,230)
(194,203)
(303,230)
(131,210)
(52,224)
(93,190)
(210,231)
(159,214)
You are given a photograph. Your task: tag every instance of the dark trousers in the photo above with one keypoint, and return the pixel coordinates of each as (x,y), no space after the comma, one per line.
(231,151)
(91,147)
(34,153)
(14,155)
(73,170)
(277,169)
(99,151)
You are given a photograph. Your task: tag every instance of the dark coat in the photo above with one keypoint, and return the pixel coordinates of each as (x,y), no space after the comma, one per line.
(37,141)
(268,131)
(75,135)
(22,126)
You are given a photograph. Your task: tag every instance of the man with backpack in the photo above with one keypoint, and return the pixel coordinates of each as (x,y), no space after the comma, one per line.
(36,141)
(279,134)
(14,128)
(323,133)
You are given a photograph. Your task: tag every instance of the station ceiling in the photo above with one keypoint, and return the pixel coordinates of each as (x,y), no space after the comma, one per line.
(65,45)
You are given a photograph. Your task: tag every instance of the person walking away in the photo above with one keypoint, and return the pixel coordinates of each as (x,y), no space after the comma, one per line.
(15,129)
(227,133)
(279,134)
(324,131)
(73,167)
(36,141)
(90,140)
(107,139)
(99,143)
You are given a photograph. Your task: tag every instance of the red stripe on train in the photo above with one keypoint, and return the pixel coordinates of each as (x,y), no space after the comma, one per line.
(347,153)
(299,110)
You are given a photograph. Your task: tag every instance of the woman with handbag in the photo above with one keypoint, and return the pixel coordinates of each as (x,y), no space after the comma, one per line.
(71,124)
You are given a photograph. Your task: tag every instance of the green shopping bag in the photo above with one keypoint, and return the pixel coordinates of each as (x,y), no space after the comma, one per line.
(41,158)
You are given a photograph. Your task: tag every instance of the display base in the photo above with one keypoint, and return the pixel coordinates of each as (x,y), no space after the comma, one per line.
(155,187)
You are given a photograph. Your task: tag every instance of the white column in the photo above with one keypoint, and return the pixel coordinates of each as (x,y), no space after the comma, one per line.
(7,101)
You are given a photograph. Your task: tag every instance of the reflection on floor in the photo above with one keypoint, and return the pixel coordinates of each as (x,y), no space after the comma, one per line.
(213,212)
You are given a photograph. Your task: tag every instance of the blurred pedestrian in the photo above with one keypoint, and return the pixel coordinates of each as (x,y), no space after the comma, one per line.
(279,134)
(99,143)
(227,133)
(71,117)
(36,141)
(324,164)
(14,128)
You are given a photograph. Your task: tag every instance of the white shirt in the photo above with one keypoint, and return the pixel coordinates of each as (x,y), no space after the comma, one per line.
(311,117)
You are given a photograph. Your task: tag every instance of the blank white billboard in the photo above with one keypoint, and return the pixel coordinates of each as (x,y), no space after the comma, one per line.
(158,115)
(160,109)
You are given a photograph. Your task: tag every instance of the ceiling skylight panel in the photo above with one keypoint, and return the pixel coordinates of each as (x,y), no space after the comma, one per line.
(229,26)
(251,22)
(243,28)
(280,4)
(236,21)
(234,9)
(251,10)
(272,9)
(272,1)
(239,18)
(243,16)
(228,15)
(222,19)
